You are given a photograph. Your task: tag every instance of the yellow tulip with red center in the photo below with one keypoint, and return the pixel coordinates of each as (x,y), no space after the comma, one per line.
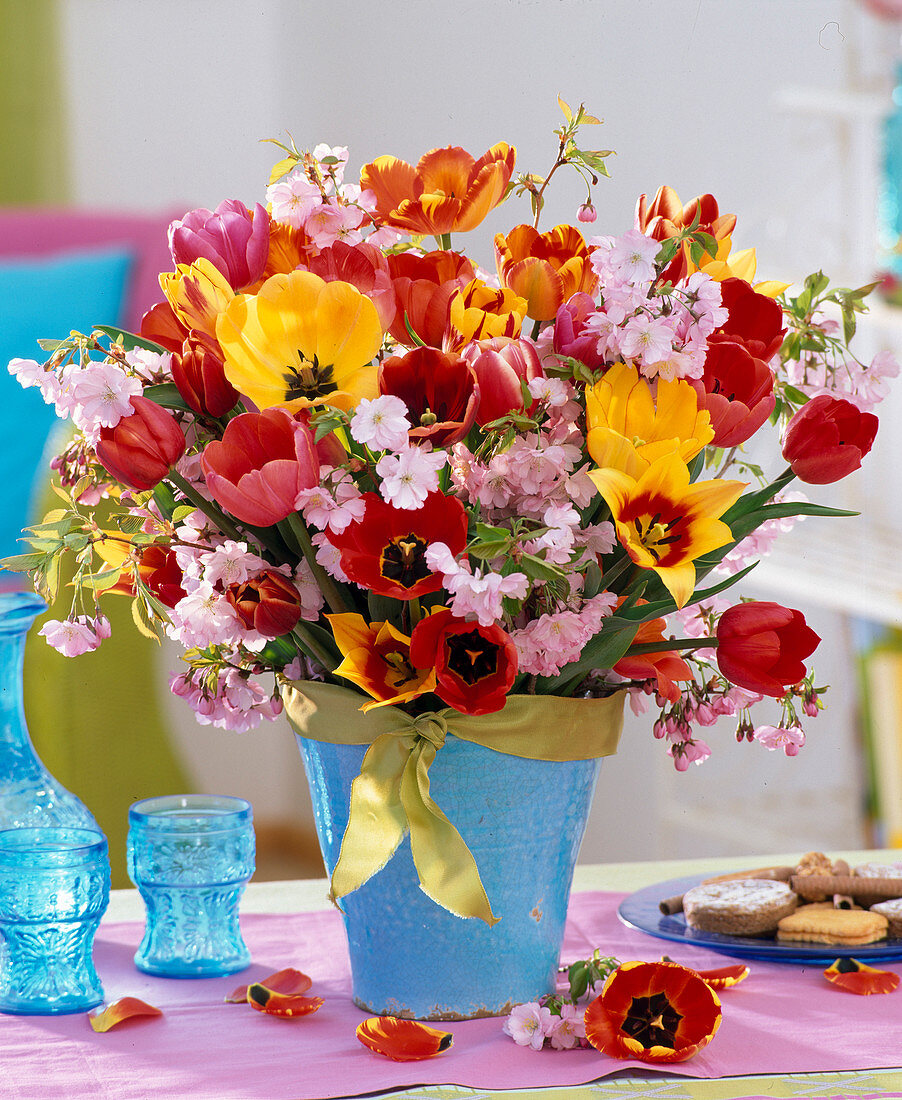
(546,269)
(301,341)
(478,311)
(664,522)
(198,294)
(448,190)
(630,424)
(377,659)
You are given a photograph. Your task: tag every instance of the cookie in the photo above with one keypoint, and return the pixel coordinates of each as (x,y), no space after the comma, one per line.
(747,907)
(892,910)
(864,889)
(821,924)
(879,870)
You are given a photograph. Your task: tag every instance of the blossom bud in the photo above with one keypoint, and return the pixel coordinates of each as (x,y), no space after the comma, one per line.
(587,213)
(142,448)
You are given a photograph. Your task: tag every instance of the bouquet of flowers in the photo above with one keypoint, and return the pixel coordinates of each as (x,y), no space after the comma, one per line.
(340,450)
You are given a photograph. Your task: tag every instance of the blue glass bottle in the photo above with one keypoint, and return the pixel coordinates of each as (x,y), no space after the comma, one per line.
(29,795)
(889,207)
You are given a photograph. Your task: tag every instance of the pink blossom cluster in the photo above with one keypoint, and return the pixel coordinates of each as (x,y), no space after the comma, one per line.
(664,332)
(700,705)
(474,593)
(533,1023)
(547,644)
(864,384)
(236,701)
(76,635)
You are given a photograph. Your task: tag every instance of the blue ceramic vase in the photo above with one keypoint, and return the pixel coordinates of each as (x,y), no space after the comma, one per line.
(523,820)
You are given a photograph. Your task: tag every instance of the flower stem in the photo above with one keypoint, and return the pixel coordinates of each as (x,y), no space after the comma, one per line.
(445,241)
(311,647)
(667,644)
(209,509)
(329,589)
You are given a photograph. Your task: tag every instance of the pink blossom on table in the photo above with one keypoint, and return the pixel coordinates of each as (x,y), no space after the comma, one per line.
(329,557)
(409,476)
(528,1024)
(567,1029)
(790,739)
(381,423)
(99,395)
(293,198)
(475,594)
(150,366)
(77,635)
(230,563)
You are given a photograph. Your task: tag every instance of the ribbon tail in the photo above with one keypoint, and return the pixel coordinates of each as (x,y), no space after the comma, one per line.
(377,821)
(445,865)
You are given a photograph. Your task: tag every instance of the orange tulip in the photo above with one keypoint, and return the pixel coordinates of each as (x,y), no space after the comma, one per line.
(448,191)
(479,312)
(666,217)
(544,268)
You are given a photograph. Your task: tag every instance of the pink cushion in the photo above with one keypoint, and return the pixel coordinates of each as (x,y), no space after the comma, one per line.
(31,231)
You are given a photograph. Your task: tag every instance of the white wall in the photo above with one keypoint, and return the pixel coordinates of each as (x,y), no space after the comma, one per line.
(169,99)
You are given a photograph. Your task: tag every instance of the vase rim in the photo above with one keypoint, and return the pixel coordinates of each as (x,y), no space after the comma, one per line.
(18,609)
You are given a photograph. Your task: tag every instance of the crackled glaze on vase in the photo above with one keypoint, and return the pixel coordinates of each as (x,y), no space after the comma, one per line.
(191,857)
(54,888)
(523,820)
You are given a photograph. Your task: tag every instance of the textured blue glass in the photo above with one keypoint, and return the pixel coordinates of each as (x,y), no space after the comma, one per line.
(523,820)
(54,888)
(29,795)
(889,207)
(191,857)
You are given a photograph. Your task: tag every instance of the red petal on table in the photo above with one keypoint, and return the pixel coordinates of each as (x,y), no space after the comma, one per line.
(724,976)
(402,1040)
(288,980)
(126,1008)
(287,1006)
(853,976)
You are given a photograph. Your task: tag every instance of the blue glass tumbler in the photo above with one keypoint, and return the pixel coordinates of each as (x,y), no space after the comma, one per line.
(191,856)
(54,888)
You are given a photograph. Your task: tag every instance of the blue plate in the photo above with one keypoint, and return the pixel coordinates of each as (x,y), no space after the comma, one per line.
(641,910)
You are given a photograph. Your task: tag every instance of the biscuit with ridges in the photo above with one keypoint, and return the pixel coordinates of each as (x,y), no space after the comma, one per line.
(819,924)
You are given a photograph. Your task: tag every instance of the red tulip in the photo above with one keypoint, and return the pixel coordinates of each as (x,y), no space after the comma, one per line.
(159,570)
(269,603)
(474,665)
(755,320)
(200,377)
(762,646)
(501,367)
(737,390)
(423,288)
(439,391)
(161,325)
(827,439)
(232,238)
(261,464)
(142,448)
(386,550)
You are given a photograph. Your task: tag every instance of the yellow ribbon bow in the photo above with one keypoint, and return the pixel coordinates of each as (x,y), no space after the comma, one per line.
(390,797)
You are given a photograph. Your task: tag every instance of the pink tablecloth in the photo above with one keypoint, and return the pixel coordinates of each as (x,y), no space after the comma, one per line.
(782,1019)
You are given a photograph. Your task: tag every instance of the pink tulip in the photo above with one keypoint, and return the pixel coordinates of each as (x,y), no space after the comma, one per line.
(261,464)
(233,239)
(501,365)
(570,336)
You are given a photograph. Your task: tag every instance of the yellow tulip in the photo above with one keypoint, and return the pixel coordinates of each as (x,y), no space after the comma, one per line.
(198,294)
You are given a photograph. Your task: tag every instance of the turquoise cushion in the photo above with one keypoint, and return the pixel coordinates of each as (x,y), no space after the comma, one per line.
(44,298)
